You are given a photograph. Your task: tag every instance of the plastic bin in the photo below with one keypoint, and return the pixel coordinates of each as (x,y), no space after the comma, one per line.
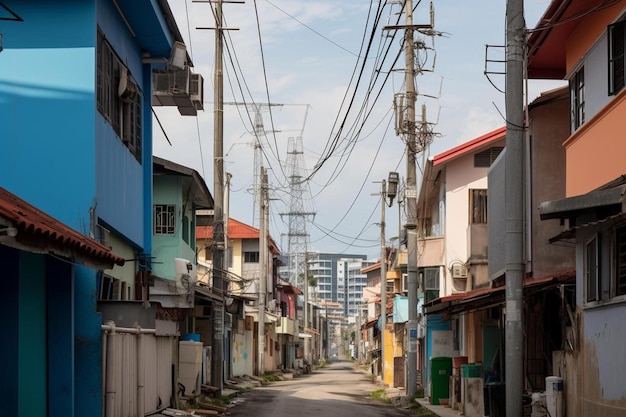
(440,372)
(471,370)
(495,400)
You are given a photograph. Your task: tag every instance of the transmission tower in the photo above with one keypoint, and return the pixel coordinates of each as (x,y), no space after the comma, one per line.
(259,132)
(298,236)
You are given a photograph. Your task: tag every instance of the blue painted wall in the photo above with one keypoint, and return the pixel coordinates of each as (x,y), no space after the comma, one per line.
(47,78)
(62,156)
(37,377)
(32,335)
(60,309)
(120,183)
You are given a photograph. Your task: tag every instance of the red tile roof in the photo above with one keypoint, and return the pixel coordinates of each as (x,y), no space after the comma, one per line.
(236,230)
(39,231)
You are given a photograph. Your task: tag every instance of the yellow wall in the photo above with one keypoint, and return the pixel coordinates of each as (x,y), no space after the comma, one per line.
(235,244)
(390,342)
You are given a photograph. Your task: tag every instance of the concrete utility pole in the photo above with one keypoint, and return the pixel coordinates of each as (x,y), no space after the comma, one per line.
(406,127)
(220,284)
(411,201)
(217,365)
(514,204)
(263,259)
(383,277)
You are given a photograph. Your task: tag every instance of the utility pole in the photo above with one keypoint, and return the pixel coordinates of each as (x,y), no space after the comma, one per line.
(411,202)
(383,277)
(384,194)
(406,127)
(220,284)
(307,344)
(514,205)
(217,365)
(263,258)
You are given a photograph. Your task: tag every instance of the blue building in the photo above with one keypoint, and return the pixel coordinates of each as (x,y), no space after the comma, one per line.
(76,89)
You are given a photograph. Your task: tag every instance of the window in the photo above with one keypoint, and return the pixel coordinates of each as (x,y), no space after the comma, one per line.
(577,99)
(123,111)
(164,219)
(251,257)
(186,229)
(478,206)
(620,261)
(484,159)
(110,288)
(616,57)
(592,276)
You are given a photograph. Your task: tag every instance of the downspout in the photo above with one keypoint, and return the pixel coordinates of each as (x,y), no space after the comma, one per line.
(104,367)
(141,376)
(109,398)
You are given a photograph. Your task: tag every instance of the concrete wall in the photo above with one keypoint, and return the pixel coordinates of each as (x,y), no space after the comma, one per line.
(549,128)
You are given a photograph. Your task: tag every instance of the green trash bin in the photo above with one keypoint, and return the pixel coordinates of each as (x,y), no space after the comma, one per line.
(440,372)
(471,370)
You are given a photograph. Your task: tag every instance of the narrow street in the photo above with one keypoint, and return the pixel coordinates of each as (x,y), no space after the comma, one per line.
(336,390)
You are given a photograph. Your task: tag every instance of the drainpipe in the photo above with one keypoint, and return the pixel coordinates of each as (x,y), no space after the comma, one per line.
(109,396)
(141,376)
(104,367)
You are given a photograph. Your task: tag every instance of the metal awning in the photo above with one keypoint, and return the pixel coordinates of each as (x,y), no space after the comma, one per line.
(573,206)
(489,297)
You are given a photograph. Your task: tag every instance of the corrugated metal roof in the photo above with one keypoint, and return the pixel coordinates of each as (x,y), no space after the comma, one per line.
(571,206)
(41,232)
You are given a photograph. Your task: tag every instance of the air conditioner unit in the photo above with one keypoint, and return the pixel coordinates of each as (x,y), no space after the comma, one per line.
(196,91)
(171,87)
(185,275)
(405,282)
(459,271)
(196,96)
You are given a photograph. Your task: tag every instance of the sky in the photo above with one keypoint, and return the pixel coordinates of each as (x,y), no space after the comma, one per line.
(323,73)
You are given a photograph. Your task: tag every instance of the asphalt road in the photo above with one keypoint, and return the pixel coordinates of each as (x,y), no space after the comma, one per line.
(336,390)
